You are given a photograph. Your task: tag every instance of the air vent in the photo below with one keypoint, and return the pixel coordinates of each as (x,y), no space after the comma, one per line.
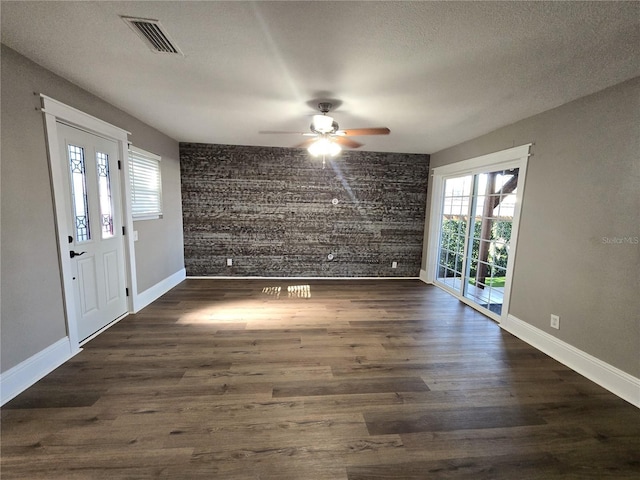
(153,34)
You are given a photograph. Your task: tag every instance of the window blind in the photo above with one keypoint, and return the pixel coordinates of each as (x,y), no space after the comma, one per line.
(146,184)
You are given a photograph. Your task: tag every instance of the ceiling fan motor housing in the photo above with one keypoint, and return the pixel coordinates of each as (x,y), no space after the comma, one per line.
(324,107)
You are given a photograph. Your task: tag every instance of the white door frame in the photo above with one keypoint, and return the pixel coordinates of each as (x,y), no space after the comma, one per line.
(516,157)
(55,111)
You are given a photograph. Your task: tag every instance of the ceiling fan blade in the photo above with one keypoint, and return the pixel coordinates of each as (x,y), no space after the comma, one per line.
(270,132)
(354,132)
(346,142)
(305,144)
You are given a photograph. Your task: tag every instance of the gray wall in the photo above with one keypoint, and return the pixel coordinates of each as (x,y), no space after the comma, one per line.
(270,209)
(581,204)
(32,315)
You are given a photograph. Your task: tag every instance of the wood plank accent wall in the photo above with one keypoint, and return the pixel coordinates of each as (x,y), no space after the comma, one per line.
(271,211)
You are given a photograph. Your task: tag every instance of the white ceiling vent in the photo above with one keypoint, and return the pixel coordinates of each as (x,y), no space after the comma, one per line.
(153,34)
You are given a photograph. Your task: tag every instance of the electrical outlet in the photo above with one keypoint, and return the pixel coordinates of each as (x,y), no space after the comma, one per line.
(229,262)
(394,264)
(555,321)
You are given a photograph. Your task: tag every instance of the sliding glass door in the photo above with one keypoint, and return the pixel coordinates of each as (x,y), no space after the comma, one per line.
(477,209)
(454,231)
(492,211)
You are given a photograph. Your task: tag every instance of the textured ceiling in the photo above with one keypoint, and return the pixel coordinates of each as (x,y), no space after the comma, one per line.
(435,73)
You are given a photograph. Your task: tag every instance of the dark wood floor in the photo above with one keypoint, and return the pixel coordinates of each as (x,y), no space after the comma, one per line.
(346,380)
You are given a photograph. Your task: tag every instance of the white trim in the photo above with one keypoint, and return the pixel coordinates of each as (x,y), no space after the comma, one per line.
(142,218)
(424,276)
(55,111)
(477,164)
(127,221)
(144,153)
(17,379)
(153,293)
(433,241)
(77,117)
(297,278)
(607,376)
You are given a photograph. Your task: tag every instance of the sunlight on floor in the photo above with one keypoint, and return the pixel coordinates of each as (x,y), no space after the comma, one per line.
(228,312)
(273,291)
(247,310)
(293,291)
(299,291)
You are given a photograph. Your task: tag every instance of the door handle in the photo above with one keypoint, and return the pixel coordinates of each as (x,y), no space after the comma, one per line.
(74,254)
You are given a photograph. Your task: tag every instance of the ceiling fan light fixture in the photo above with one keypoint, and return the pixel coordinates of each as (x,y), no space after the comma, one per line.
(324,146)
(334,149)
(322,123)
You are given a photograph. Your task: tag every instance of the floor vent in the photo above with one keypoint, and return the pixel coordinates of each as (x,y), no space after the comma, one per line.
(153,34)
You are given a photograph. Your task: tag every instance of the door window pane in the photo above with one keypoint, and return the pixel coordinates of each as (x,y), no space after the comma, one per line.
(493,211)
(79,193)
(455,213)
(104,191)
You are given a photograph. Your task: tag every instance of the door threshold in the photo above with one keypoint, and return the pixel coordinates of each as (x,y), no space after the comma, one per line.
(109,325)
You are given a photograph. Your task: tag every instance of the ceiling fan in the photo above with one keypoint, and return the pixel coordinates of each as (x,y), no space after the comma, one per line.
(327,138)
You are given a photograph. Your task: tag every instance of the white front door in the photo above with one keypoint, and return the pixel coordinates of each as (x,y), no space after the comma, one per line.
(95,237)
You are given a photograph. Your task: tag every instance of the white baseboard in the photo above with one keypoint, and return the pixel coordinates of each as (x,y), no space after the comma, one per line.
(143,299)
(607,376)
(17,379)
(423,276)
(221,277)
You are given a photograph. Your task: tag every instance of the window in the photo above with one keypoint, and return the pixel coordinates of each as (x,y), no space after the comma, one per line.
(146,184)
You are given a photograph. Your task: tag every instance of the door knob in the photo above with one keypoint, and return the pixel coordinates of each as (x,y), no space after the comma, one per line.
(74,254)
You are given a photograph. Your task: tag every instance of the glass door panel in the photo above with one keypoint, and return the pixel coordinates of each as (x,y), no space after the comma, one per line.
(104,194)
(453,231)
(493,208)
(79,193)
(475,234)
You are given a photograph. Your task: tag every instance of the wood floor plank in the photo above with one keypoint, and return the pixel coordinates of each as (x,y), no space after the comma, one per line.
(362,379)
(534,465)
(54,398)
(520,440)
(351,387)
(397,422)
